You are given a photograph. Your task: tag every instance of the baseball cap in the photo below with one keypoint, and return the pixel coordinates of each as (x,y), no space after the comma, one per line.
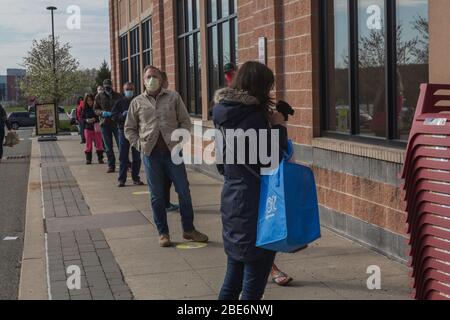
(229,67)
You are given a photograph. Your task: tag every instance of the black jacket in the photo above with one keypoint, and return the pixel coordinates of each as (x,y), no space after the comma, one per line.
(240,195)
(4,119)
(104,102)
(119,108)
(89,113)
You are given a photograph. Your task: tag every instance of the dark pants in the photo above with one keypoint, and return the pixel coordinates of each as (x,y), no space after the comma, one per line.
(2,138)
(250,279)
(124,147)
(109,133)
(158,167)
(82,127)
(168,187)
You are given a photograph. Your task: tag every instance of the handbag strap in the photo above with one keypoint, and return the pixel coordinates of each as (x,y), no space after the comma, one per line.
(253,172)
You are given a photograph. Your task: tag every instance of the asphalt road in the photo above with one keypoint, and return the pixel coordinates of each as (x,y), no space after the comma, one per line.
(13,198)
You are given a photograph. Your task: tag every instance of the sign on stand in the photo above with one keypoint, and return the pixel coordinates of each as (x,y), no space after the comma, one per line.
(46,122)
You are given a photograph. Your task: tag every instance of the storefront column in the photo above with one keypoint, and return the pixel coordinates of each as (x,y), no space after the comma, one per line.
(204,64)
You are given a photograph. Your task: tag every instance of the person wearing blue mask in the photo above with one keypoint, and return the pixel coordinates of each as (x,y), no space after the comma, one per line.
(104,102)
(119,116)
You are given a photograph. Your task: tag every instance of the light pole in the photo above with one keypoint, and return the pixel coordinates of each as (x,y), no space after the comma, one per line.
(52,9)
(55,85)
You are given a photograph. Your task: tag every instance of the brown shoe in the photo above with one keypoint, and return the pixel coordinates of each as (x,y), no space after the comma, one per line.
(164,241)
(195,236)
(111,170)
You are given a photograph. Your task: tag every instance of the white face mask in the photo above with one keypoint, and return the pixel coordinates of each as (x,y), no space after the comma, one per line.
(153,84)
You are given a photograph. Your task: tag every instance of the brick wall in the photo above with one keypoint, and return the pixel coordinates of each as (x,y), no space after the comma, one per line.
(376,203)
(169,39)
(114,42)
(164,38)
(287,25)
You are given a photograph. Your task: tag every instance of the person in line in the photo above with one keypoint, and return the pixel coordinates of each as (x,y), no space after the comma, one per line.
(278,276)
(104,103)
(119,115)
(100,89)
(79,112)
(246,105)
(170,207)
(92,131)
(3,122)
(229,71)
(152,118)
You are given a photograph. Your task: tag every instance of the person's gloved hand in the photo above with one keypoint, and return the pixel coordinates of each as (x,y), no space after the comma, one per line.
(125,114)
(106,114)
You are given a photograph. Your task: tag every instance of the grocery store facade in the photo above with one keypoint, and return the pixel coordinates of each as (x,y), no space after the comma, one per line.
(351,69)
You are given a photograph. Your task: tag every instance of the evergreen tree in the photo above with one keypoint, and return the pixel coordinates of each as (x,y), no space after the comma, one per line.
(103,73)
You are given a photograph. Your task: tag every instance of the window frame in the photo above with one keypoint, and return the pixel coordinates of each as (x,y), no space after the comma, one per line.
(183,53)
(124,59)
(219,23)
(144,32)
(390,25)
(135,58)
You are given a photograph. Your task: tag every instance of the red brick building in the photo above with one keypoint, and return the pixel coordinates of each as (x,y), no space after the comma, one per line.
(351,68)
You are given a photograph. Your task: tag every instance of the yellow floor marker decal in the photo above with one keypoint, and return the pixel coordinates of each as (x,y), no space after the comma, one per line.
(191,246)
(140,193)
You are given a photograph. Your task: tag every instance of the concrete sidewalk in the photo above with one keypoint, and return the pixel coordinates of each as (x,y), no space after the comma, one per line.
(108,232)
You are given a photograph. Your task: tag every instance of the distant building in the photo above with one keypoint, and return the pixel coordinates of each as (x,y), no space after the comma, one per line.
(3,88)
(14,76)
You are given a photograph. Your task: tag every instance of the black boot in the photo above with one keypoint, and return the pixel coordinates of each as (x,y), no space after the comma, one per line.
(88,158)
(100,157)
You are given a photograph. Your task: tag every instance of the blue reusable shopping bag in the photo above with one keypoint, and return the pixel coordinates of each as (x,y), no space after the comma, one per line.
(289,210)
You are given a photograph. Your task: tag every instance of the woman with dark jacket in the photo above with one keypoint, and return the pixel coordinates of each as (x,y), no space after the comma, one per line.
(246,105)
(92,133)
(3,122)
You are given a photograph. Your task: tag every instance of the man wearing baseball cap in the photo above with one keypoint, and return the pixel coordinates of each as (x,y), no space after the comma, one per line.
(229,70)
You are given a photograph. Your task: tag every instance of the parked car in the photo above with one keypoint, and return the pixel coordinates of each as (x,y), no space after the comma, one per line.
(61,110)
(22,120)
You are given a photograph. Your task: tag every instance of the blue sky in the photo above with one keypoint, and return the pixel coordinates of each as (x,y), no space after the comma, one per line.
(21,21)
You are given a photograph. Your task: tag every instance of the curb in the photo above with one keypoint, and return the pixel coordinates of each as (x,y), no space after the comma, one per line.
(33,275)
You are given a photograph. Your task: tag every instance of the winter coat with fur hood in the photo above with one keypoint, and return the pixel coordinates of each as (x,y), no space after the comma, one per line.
(240,196)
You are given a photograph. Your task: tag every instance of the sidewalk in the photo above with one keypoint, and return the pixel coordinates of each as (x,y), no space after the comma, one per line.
(108,232)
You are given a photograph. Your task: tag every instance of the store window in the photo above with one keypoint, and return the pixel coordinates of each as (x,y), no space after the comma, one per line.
(124,60)
(189,54)
(222,40)
(376,57)
(147,52)
(135,59)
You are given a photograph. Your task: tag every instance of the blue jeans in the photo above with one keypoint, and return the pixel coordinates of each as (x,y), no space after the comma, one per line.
(250,279)
(124,147)
(158,167)
(108,133)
